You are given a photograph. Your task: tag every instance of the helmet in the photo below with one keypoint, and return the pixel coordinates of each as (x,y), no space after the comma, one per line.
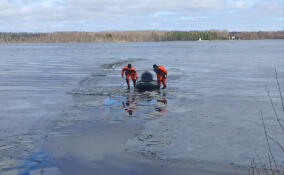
(155,65)
(129,65)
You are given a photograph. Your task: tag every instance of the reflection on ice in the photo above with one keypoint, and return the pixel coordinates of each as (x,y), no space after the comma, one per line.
(138,99)
(162,102)
(130,103)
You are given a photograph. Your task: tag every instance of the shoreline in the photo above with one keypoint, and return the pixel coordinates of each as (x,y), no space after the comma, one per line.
(136,36)
(133,41)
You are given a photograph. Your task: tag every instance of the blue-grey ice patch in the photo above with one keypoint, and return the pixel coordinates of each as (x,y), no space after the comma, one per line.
(199,129)
(46,171)
(109,102)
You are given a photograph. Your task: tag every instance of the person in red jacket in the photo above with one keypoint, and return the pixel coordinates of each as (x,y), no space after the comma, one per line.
(129,71)
(162,74)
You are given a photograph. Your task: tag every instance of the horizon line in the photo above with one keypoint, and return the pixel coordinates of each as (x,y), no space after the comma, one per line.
(148,31)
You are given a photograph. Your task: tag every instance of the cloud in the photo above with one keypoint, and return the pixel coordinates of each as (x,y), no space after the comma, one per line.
(97,15)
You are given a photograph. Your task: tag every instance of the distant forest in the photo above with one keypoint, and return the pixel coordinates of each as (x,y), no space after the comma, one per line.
(135,36)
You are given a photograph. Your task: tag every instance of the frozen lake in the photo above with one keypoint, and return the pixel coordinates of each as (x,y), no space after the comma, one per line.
(209,112)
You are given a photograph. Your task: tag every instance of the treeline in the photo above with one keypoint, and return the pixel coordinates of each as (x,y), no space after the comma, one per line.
(257,35)
(134,36)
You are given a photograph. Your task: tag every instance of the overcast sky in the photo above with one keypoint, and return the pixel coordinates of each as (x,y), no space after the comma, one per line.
(108,15)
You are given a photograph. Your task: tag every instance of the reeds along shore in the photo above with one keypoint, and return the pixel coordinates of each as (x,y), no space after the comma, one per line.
(271,167)
(135,36)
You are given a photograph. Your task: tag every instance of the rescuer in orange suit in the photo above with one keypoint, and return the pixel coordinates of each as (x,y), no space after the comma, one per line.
(129,71)
(162,74)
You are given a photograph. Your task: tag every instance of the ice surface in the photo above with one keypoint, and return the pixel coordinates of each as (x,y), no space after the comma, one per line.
(210,110)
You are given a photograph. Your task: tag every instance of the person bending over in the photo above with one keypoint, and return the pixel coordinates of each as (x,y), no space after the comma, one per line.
(129,71)
(162,74)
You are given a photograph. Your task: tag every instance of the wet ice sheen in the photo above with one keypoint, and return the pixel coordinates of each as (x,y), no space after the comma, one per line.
(215,90)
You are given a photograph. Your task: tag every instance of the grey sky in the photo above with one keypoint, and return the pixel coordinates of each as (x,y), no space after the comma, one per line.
(106,15)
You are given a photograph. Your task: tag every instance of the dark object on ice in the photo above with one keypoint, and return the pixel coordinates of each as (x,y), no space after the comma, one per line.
(146,77)
(147,83)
